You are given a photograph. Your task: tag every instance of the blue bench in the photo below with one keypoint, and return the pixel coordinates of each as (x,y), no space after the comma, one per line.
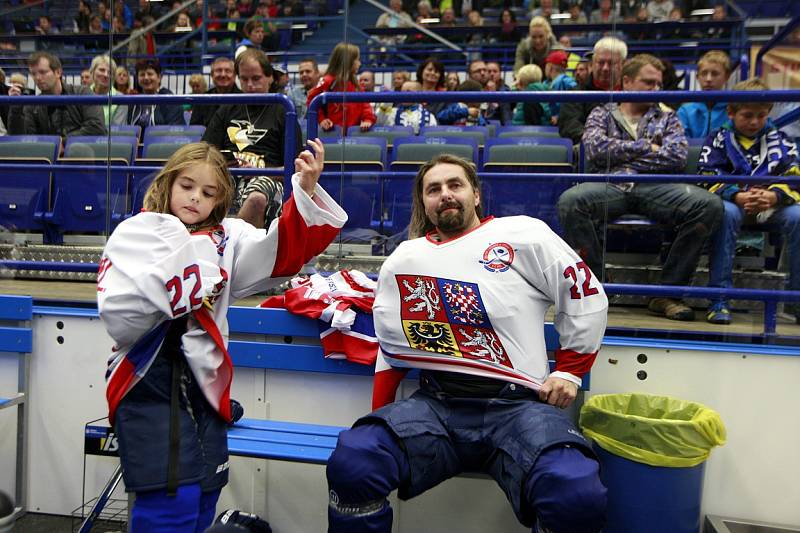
(295,346)
(16,338)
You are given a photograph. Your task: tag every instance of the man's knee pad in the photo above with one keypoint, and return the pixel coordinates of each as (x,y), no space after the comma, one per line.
(565,491)
(366,466)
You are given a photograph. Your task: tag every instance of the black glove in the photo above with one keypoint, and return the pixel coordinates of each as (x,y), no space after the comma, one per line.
(237,412)
(248,522)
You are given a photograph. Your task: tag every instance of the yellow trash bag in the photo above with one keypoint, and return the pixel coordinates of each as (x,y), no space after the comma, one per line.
(654,430)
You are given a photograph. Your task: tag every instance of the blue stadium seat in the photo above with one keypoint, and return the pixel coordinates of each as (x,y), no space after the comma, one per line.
(480,133)
(527,154)
(174,130)
(26,193)
(410,152)
(92,201)
(527,131)
(355,153)
(126,129)
(162,148)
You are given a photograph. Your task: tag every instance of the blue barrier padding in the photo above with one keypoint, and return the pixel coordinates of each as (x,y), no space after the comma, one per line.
(703,346)
(291,357)
(16,307)
(16,340)
(270,321)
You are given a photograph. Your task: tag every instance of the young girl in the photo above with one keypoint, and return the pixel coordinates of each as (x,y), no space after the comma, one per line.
(166,279)
(341,77)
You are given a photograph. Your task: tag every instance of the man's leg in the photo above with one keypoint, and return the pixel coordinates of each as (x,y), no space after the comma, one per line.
(694,211)
(579,207)
(720,263)
(365,467)
(565,491)
(253,208)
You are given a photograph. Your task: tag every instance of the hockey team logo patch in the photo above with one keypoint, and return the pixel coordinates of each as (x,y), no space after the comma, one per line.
(497,257)
(448,317)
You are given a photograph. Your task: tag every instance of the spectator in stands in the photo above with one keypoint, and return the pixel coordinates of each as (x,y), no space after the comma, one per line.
(83,17)
(253,36)
(545,9)
(125,14)
(718,32)
(148,74)
(246,8)
(452,82)
(477,71)
(366,84)
(699,119)
(340,76)
(143,43)
(399,77)
(431,75)
(448,20)
(21,81)
(407,114)
(280,80)
(150,9)
(508,28)
(582,69)
(45,26)
(738,148)
(502,111)
(40,119)
(95,24)
(86,77)
(224,81)
(253,136)
(463,114)
(477,36)
(397,18)
(122,80)
(633,138)
(629,8)
(105,15)
(271,38)
(555,70)
(572,58)
(535,47)
(308,72)
(607,57)
(424,11)
(100,74)
(197,83)
(658,10)
(529,78)
(604,14)
(576,15)
(182,23)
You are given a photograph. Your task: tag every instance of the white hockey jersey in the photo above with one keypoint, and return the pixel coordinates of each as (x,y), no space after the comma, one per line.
(153,270)
(476,304)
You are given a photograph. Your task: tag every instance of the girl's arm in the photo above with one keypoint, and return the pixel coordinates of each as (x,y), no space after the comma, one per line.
(310,221)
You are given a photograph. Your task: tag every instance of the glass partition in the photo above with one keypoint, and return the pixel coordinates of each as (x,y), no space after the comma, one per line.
(618,180)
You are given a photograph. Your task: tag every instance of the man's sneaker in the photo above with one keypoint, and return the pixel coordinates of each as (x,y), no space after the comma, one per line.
(671,308)
(719,313)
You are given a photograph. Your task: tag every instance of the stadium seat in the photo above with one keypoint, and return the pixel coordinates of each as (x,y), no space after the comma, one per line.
(126,129)
(410,152)
(504,132)
(26,193)
(692,158)
(527,154)
(355,153)
(92,201)
(195,132)
(390,133)
(161,148)
(480,133)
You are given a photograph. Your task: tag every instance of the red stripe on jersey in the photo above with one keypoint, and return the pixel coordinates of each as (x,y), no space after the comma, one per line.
(298,242)
(119,383)
(384,386)
(575,363)
(225,370)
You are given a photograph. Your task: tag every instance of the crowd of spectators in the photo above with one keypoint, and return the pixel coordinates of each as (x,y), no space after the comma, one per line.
(625,138)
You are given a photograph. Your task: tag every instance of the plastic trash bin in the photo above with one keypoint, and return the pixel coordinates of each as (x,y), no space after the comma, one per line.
(652,451)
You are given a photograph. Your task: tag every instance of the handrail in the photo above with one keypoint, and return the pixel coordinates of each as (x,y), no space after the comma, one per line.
(541,96)
(240,98)
(778,37)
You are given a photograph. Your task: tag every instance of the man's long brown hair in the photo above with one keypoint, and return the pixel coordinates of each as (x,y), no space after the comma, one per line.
(420,223)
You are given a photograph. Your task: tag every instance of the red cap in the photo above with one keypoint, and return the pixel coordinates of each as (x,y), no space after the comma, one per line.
(557,57)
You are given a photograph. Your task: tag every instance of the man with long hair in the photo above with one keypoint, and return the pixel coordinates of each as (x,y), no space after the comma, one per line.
(464,301)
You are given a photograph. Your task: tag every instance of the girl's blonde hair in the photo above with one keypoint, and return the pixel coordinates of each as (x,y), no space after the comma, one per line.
(541,22)
(158,195)
(341,62)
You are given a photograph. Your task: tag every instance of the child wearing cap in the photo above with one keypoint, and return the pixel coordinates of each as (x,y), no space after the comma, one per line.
(555,66)
(529,78)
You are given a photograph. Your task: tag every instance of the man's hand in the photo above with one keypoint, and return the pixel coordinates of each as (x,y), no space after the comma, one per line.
(309,165)
(654,147)
(558,392)
(365,125)
(756,200)
(14,89)
(326,124)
